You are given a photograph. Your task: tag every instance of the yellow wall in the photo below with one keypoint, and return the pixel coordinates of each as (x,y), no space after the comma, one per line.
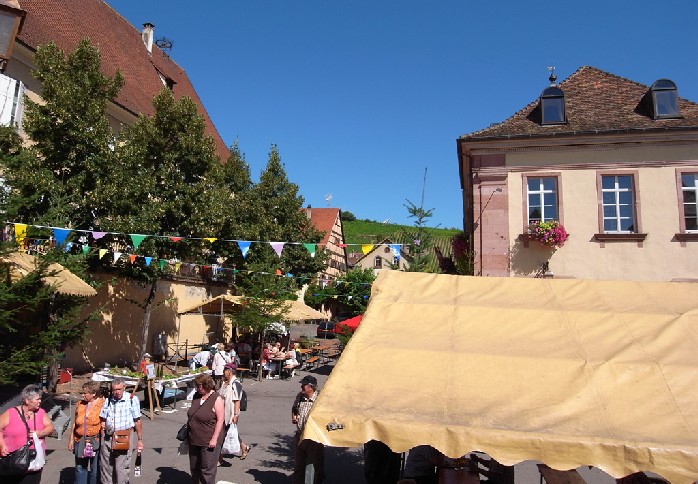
(659,258)
(116,337)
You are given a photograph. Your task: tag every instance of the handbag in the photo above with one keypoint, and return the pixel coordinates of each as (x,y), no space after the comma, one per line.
(183,431)
(87,446)
(121,440)
(17,462)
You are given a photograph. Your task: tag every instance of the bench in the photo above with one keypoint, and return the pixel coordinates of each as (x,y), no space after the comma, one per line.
(312,361)
(241,373)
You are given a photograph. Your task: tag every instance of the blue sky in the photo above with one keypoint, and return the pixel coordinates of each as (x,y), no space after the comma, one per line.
(362,96)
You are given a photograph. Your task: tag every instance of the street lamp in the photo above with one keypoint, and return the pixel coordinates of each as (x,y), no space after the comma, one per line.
(11,20)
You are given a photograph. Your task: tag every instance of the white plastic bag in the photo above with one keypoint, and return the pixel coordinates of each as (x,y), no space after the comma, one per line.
(231,444)
(38,463)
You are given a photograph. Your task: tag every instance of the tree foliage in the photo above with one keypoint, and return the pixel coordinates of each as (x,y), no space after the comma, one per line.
(37,323)
(420,236)
(72,140)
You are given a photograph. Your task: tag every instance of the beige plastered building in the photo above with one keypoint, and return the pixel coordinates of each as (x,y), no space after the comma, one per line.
(618,175)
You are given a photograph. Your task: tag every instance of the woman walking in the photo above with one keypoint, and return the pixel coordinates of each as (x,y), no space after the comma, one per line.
(18,424)
(86,434)
(231,391)
(205,418)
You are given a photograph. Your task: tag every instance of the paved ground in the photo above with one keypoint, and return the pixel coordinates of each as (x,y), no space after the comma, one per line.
(266,425)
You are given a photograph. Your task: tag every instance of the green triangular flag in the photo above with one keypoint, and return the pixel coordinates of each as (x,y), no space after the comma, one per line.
(85,249)
(311,248)
(162,264)
(137,239)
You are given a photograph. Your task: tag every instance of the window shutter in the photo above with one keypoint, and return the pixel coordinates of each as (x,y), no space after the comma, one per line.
(7,105)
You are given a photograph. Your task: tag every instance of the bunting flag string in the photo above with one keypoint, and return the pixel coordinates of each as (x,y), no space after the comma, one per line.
(137,239)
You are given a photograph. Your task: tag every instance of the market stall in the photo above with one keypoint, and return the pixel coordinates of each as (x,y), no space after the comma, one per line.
(566,372)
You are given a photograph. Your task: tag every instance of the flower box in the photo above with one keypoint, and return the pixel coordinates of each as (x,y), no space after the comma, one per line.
(550,234)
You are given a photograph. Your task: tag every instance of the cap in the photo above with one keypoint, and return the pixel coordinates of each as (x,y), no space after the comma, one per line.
(231,366)
(146,355)
(309,379)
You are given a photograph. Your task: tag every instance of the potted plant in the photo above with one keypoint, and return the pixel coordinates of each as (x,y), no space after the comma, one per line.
(550,233)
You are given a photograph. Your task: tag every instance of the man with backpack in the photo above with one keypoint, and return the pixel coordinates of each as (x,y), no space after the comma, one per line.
(235,400)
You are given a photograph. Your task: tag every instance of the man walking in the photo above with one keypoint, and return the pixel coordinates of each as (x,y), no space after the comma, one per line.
(309,456)
(122,411)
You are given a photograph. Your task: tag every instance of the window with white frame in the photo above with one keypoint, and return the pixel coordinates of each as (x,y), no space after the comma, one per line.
(11,101)
(689,192)
(541,194)
(618,204)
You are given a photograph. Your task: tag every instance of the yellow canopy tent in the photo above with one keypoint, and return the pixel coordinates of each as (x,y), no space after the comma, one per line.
(567,372)
(58,276)
(298,310)
(218,305)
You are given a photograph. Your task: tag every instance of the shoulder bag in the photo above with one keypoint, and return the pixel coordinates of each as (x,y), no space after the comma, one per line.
(183,431)
(17,462)
(121,440)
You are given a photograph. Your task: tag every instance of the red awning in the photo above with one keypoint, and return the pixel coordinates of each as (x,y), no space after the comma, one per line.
(352,323)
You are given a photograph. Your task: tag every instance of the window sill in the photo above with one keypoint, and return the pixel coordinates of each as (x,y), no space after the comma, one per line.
(684,237)
(620,237)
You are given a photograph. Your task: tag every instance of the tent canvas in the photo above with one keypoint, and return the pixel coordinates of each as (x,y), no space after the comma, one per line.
(64,281)
(218,305)
(566,372)
(298,310)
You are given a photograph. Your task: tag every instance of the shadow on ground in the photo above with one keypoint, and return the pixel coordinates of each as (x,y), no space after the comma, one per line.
(268,477)
(168,475)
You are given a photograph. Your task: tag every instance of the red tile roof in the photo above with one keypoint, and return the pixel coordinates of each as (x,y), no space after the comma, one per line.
(323,219)
(66,22)
(596,102)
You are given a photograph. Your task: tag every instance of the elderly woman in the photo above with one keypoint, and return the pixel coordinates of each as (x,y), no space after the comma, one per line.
(86,434)
(13,430)
(206,418)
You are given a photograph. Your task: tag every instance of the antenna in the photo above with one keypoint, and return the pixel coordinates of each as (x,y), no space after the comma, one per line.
(424,187)
(165,45)
(328,197)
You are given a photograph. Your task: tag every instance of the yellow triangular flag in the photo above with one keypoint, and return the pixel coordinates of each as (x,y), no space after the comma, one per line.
(102,253)
(366,248)
(210,239)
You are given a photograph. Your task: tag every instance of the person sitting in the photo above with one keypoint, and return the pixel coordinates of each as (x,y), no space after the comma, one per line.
(266,363)
(244,351)
(291,360)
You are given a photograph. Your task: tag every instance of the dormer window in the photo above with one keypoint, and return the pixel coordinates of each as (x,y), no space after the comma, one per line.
(665,100)
(552,106)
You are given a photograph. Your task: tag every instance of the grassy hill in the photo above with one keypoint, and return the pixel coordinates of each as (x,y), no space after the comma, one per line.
(368,232)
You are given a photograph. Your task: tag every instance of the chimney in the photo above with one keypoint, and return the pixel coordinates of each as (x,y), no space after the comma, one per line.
(147,35)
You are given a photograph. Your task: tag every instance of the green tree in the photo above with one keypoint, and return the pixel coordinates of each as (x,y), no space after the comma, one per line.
(280,217)
(166,182)
(37,323)
(72,140)
(354,290)
(420,236)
